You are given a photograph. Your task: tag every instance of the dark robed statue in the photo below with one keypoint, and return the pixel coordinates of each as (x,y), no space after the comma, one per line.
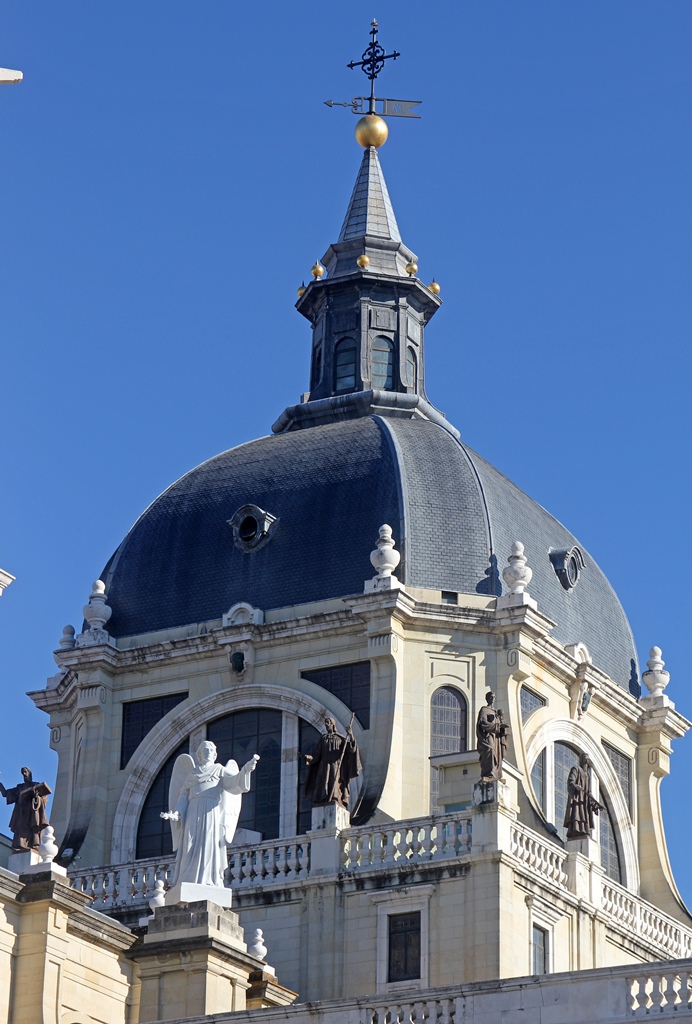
(491,739)
(333,764)
(29,813)
(581,806)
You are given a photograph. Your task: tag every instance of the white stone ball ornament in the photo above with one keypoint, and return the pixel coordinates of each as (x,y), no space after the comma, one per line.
(384,558)
(97,612)
(517,575)
(656,679)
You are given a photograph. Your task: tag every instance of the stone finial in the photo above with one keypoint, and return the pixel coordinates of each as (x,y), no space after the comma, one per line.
(97,612)
(656,679)
(516,573)
(67,640)
(67,643)
(158,898)
(48,850)
(384,558)
(257,947)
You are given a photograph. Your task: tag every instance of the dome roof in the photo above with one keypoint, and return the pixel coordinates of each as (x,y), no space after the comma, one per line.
(330,488)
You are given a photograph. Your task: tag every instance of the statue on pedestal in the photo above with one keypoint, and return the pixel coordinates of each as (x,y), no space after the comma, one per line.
(332,766)
(491,739)
(29,813)
(581,806)
(205,798)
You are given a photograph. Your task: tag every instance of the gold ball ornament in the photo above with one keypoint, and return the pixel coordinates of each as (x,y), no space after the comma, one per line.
(317,271)
(302,290)
(363,261)
(434,287)
(411,268)
(371,130)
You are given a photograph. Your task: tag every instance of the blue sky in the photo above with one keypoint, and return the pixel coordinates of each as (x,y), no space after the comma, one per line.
(169,175)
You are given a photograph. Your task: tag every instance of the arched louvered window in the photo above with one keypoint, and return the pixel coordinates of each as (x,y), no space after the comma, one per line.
(383,364)
(447,730)
(345,365)
(411,368)
(239,736)
(154,837)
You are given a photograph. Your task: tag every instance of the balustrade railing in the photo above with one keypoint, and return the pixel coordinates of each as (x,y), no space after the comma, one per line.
(666,990)
(269,862)
(405,842)
(543,858)
(648,922)
(121,886)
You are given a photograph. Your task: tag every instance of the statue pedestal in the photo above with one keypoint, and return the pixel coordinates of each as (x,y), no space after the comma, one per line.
(21,861)
(192,892)
(333,816)
(494,811)
(584,871)
(193,961)
(325,838)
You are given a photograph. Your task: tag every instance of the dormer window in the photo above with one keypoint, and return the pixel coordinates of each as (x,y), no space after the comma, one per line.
(345,365)
(383,364)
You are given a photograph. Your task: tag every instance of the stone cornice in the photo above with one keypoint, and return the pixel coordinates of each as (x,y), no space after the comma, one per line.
(95,927)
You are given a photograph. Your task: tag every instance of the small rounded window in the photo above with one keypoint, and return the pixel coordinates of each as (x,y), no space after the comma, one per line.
(567,564)
(252,527)
(248,529)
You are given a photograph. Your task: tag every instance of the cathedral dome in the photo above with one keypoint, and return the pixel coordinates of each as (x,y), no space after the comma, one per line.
(327,490)
(292,518)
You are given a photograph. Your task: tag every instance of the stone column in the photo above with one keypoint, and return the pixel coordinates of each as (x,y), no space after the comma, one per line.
(194,961)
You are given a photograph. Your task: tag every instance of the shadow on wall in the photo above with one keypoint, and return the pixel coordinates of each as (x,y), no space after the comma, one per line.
(491,585)
(635,687)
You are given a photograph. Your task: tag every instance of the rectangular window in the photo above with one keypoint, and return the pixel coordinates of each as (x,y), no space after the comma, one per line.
(350,683)
(623,769)
(450,597)
(404,947)
(539,950)
(139,717)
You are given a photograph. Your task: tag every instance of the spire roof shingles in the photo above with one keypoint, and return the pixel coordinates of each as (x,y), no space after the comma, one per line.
(370,210)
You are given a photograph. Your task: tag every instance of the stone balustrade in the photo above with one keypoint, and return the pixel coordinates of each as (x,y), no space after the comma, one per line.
(121,886)
(405,842)
(610,995)
(544,859)
(644,920)
(272,862)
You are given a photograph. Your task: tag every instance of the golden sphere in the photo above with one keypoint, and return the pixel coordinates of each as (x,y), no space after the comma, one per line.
(301,290)
(317,271)
(363,261)
(411,268)
(434,287)
(371,130)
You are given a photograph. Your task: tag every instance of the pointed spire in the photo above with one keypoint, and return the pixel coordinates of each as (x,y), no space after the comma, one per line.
(370,210)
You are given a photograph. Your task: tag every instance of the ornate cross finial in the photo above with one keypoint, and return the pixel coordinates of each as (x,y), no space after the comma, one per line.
(372,63)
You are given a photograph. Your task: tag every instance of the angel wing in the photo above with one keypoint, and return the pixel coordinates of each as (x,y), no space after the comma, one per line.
(230,806)
(181,769)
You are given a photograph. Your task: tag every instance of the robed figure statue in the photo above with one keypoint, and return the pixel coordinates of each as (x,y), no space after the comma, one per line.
(491,739)
(581,806)
(29,813)
(205,799)
(333,764)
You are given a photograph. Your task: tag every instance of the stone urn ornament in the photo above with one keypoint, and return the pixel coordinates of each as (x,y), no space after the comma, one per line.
(384,558)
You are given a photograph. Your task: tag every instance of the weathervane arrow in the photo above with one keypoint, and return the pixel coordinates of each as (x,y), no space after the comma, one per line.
(372,63)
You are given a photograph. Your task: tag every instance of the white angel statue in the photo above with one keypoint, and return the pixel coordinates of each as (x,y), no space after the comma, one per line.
(205,798)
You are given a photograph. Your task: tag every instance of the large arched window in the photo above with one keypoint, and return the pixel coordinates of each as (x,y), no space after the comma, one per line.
(240,735)
(411,368)
(549,778)
(383,364)
(345,365)
(154,838)
(447,730)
